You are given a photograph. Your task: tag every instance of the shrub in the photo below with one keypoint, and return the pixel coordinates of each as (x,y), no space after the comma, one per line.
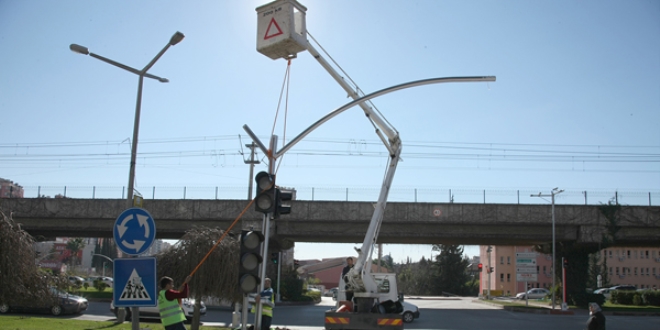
(622,297)
(637,300)
(583,299)
(651,297)
(315,295)
(99,285)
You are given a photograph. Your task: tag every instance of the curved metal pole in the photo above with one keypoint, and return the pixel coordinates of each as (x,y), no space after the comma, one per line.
(101,255)
(374,95)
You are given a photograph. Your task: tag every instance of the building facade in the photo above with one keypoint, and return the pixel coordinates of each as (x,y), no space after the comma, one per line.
(9,189)
(626,266)
(632,266)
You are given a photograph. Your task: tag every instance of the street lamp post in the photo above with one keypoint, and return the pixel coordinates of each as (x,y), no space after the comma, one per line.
(175,39)
(552,194)
(103,256)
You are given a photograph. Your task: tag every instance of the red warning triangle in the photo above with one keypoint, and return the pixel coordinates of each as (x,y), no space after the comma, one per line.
(273,29)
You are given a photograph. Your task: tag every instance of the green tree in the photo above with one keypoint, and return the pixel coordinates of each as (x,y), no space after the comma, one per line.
(449,273)
(217,277)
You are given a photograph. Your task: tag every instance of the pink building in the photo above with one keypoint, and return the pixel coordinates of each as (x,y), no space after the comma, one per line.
(9,189)
(626,266)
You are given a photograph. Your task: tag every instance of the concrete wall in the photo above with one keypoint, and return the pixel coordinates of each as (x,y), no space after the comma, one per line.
(323,221)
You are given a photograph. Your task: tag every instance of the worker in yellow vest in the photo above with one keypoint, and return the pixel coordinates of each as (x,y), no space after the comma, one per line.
(171,314)
(267,305)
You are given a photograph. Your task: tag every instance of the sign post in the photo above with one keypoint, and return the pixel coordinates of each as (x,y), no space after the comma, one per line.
(134,283)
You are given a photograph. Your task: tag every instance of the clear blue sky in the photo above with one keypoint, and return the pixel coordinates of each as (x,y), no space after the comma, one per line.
(576,104)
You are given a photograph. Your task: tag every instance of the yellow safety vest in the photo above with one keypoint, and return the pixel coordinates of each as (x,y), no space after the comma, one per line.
(265,310)
(170,311)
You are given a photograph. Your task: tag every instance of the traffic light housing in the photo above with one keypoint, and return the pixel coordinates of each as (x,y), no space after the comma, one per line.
(283,205)
(480,267)
(565,263)
(275,257)
(250,258)
(489,270)
(265,200)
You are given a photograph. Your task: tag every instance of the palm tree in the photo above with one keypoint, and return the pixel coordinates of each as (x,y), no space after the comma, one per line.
(75,245)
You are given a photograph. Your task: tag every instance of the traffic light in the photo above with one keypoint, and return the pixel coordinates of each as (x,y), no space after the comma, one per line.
(275,257)
(565,263)
(283,198)
(490,270)
(480,267)
(265,196)
(250,258)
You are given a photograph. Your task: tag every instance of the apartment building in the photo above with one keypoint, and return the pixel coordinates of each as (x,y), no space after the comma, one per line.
(633,266)
(626,266)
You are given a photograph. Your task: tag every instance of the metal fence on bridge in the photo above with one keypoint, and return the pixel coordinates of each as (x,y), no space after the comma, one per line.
(360,194)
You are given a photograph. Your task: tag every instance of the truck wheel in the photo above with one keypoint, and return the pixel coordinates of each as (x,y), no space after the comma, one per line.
(408,317)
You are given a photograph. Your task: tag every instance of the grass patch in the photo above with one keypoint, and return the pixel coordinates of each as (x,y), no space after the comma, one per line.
(40,323)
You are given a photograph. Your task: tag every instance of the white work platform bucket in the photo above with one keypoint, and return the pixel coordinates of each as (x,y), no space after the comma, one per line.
(281,30)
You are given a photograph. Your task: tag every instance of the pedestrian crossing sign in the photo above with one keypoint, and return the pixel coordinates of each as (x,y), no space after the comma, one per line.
(135,282)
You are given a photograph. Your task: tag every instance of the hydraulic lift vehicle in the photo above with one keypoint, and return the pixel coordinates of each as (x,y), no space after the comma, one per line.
(376,304)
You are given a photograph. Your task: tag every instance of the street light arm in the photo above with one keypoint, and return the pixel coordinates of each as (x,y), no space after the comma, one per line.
(117,64)
(101,255)
(155,59)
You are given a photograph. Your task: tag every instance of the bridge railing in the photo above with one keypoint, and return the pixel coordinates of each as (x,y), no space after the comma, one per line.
(357,194)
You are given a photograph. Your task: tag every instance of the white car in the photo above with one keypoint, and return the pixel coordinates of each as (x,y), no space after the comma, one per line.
(410,312)
(187,304)
(107,280)
(538,293)
(605,292)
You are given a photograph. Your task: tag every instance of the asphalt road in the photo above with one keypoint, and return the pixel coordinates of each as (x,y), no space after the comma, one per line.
(438,314)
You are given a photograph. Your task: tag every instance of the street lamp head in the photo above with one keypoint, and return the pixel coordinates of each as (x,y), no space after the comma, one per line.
(176,38)
(79,49)
(163,80)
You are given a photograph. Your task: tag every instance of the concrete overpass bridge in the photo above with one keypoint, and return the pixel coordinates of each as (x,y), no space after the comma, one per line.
(347,222)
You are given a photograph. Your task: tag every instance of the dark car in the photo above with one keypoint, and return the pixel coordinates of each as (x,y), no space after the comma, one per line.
(65,304)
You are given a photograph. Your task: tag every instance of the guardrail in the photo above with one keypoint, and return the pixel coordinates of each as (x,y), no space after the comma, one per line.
(422,195)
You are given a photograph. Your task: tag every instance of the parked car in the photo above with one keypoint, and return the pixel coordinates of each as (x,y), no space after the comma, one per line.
(331,293)
(624,287)
(187,304)
(538,293)
(107,280)
(76,280)
(410,312)
(66,304)
(605,292)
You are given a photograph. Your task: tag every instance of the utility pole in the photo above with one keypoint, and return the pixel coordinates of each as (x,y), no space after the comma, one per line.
(490,248)
(552,194)
(252,162)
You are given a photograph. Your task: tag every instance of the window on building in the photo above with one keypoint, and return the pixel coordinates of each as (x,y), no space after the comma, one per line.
(610,270)
(508,260)
(508,277)
(653,271)
(617,270)
(543,269)
(647,254)
(628,254)
(647,271)
(610,253)
(635,271)
(501,277)
(501,260)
